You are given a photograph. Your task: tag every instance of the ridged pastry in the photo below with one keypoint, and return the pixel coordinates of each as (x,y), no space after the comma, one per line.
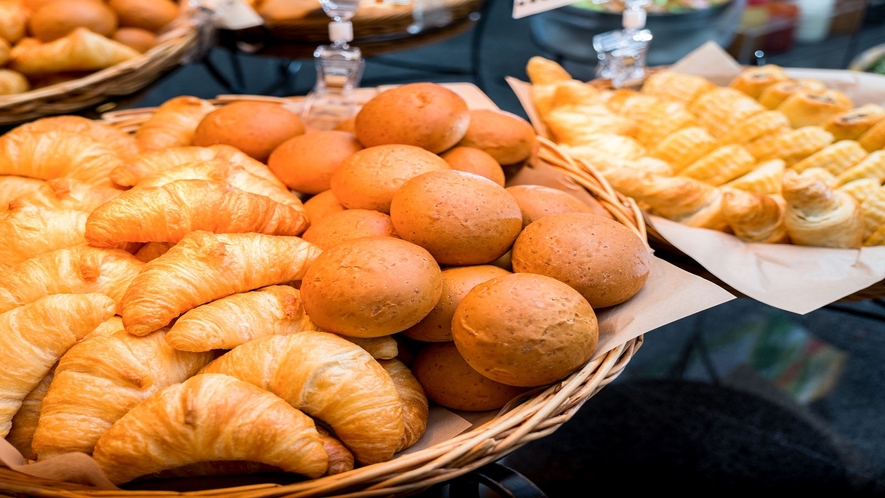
(29,231)
(721,108)
(210,417)
(817,215)
(873,208)
(204,266)
(173,123)
(860,188)
(721,165)
(573,125)
(765,123)
(877,238)
(629,103)
(79,50)
(100,379)
(872,166)
(611,145)
(835,158)
(116,139)
(754,80)
(358,399)
(765,178)
(169,212)
(684,147)
(776,93)
(34,336)
(821,174)
(874,138)
(670,85)
(74,270)
(792,146)
(662,119)
(814,107)
(755,217)
(851,124)
(605,162)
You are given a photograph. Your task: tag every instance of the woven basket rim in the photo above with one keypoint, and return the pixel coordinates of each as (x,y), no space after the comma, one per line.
(536,414)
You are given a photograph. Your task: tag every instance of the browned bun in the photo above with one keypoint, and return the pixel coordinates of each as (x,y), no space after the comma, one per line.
(371,287)
(449,381)
(54,21)
(426,115)
(347,125)
(457,281)
(152,15)
(525,329)
(256,128)
(477,161)
(507,137)
(306,162)
(461,218)
(138,38)
(367,179)
(602,259)
(321,205)
(536,201)
(348,224)
(13,21)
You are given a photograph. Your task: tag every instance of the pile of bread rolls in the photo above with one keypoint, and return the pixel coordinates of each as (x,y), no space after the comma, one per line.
(768,158)
(300,297)
(43,42)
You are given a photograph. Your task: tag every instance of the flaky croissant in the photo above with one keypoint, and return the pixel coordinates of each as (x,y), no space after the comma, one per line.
(205,266)
(79,50)
(755,217)
(411,392)
(817,215)
(119,141)
(68,193)
(12,186)
(173,123)
(24,423)
(330,379)
(34,336)
(28,231)
(72,270)
(100,379)
(210,417)
(169,212)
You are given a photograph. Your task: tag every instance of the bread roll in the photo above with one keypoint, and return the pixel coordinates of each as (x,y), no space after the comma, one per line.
(536,201)
(255,128)
(507,137)
(348,224)
(152,15)
(477,161)
(321,205)
(52,22)
(138,38)
(306,162)
(13,21)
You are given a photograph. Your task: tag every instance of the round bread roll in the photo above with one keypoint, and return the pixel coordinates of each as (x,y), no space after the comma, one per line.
(507,137)
(348,224)
(602,259)
(306,162)
(12,82)
(473,160)
(371,287)
(461,218)
(368,178)
(457,281)
(321,205)
(426,115)
(525,329)
(152,15)
(53,21)
(450,381)
(256,128)
(13,21)
(138,38)
(536,201)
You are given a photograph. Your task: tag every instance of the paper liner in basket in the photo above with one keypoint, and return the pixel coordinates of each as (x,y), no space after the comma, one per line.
(791,278)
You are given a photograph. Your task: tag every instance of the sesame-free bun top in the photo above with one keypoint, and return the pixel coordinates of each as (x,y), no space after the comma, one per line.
(461,218)
(321,205)
(348,224)
(152,15)
(368,178)
(536,201)
(256,128)
(507,137)
(52,22)
(473,160)
(371,287)
(525,329)
(305,163)
(449,381)
(600,258)
(426,115)
(457,281)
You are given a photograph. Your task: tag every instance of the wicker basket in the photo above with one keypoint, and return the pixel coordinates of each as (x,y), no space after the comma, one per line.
(537,414)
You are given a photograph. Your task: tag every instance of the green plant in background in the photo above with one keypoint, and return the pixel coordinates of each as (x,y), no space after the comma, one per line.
(655,7)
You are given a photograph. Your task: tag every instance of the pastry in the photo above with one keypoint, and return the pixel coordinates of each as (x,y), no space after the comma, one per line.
(204,266)
(860,188)
(173,123)
(813,107)
(12,186)
(151,250)
(776,93)
(79,50)
(835,158)
(224,419)
(673,86)
(28,231)
(765,123)
(874,138)
(721,165)
(119,141)
(873,208)
(661,120)
(415,406)
(721,108)
(755,217)
(765,178)
(791,146)
(24,423)
(754,80)
(574,125)
(851,124)
(872,166)
(817,215)
(684,147)
(67,193)
(13,82)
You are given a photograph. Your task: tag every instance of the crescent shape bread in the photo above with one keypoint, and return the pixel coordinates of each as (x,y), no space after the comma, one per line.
(330,379)
(205,266)
(411,392)
(173,123)
(210,417)
(28,231)
(818,215)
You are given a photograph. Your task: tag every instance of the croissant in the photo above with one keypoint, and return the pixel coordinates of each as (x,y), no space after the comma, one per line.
(122,143)
(203,267)
(210,417)
(28,231)
(173,123)
(100,379)
(275,309)
(56,154)
(12,186)
(152,250)
(24,423)
(79,50)
(383,347)
(415,405)
(358,399)
(34,336)
(817,215)
(68,193)
(755,217)
(169,212)
(72,270)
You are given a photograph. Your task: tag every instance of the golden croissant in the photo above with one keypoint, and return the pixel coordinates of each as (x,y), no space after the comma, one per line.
(818,215)
(29,231)
(24,423)
(12,187)
(411,392)
(68,193)
(72,270)
(210,417)
(79,50)
(122,143)
(100,379)
(169,212)
(330,379)
(34,336)
(173,123)
(205,266)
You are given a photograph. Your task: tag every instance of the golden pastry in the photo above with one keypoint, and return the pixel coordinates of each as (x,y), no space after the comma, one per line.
(792,146)
(119,141)
(67,193)
(411,392)
(12,186)
(755,217)
(13,82)
(774,94)
(872,166)
(851,124)
(763,124)
(753,80)
(722,108)
(574,125)
(173,123)
(873,207)
(684,147)
(662,119)
(874,138)
(673,86)
(817,215)
(860,188)
(24,423)
(79,50)
(721,165)
(28,231)
(814,107)
(765,178)
(835,158)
